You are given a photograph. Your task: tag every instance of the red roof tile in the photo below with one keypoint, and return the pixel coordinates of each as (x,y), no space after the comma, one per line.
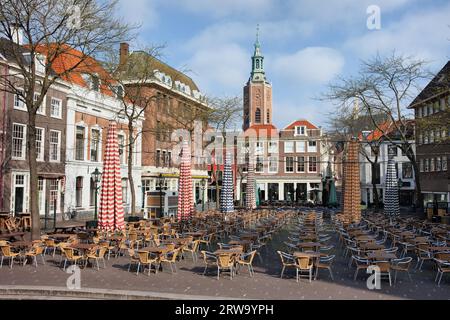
(299,123)
(262,130)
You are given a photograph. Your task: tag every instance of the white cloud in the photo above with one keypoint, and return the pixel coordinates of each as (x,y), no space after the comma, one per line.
(312,65)
(220,69)
(221,8)
(141,12)
(424,33)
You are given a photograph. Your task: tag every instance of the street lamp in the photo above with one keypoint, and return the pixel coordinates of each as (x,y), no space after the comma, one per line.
(161,180)
(96,176)
(203,186)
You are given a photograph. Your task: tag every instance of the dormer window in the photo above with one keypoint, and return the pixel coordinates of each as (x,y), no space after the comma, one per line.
(300,131)
(92,81)
(118,90)
(40,63)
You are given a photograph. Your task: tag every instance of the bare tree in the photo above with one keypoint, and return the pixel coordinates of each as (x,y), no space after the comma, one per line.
(52,29)
(223,116)
(386,85)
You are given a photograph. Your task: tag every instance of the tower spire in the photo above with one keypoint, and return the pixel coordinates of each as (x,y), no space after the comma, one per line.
(258,73)
(257,36)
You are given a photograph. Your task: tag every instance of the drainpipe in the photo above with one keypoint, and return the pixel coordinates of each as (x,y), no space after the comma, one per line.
(3,141)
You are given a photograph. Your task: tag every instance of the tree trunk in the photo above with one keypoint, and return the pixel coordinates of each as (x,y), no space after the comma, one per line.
(34,206)
(130,168)
(419,194)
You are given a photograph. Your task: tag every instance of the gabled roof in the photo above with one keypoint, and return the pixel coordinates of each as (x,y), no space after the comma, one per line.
(72,64)
(440,83)
(387,127)
(135,59)
(300,122)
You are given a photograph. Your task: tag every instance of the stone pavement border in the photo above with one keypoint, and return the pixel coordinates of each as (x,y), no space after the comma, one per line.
(28,292)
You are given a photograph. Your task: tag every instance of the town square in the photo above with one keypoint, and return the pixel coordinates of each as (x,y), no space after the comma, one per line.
(224,150)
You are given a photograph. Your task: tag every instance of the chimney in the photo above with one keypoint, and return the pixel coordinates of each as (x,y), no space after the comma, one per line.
(16,34)
(124,51)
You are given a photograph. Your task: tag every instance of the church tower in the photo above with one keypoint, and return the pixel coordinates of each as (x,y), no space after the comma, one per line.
(257,92)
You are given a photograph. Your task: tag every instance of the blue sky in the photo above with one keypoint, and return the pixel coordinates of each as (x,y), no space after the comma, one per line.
(306,43)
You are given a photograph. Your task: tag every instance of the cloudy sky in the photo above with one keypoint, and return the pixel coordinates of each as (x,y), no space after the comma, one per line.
(306,43)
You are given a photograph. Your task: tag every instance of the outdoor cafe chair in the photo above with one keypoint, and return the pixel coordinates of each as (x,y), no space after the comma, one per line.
(290,247)
(225,262)
(385,269)
(442,267)
(326,248)
(406,248)
(401,265)
(392,250)
(325,263)
(171,258)
(134,258)
(192,247)
(96,254)
(7,253)
(146,260)
(70,256)
(50,244)
(246,259)
(207,240)
(423,254)
(304,265)
(287,261)
(36,250)
(361,264)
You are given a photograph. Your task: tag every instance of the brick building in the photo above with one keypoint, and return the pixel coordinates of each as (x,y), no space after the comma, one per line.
(432,114)
(51,138)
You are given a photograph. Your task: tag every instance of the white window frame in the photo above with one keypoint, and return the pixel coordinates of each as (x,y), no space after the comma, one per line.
(41,109)
(21,104)
(304,164)
(286,143)
(311,149)
(24,141)
(40,156)
(99,150)
(272,159)
(309,161)
(58,146)
(293,164)
(302,131)
(272,147)
(59,116)
(122,156)
(261,160)
(85,137)
(259,148)
(298,146)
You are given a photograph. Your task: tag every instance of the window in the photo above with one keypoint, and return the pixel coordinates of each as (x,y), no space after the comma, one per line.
(95,83)
(289,146)
(55,108)
(444,163)
(300,131)
(273,147)
(300,146)
(55,145)
(92,192)
(273,164)
(407,170)
(432,168)
(427,165)
(430,109)
(164,159)
(419,112)
(258,115)
(301,164)
(377,177)
(431,138)
(78,191)
(289,164)
(54,194)
(421,165)
(169,158)
(420,138)
(425,138)
(41,109)
(392,150)
(312,164)
(312,146)
(19,103)
(95,144)
(424,111)
(18,141)
(268,117)
(438,164)
(124,190)
(41,195)
(157,157)
(259,164)
(259,148)
(121,141)
(39,144)
(442,104)
(79,143)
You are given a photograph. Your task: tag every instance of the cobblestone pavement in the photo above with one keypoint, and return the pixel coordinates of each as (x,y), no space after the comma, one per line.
(266,283)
